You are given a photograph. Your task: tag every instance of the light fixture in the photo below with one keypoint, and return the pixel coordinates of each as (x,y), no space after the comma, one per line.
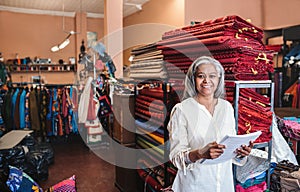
(138,6)
(67,39)
(63,44)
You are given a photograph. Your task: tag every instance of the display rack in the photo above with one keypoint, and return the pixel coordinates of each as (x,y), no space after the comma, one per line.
(42,68)
(266,84)
(158,153)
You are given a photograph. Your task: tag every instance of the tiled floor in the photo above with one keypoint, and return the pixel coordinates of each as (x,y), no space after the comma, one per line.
(73,157)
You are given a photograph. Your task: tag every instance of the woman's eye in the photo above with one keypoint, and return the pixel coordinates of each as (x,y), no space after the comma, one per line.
(212,76)
(201,76)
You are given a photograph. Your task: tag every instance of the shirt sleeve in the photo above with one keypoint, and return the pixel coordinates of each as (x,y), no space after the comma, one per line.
(178,136)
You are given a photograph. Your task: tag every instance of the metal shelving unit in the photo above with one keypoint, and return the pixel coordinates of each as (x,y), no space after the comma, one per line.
(268,84)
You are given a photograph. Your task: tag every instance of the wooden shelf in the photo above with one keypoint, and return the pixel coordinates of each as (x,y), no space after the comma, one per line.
(42,68)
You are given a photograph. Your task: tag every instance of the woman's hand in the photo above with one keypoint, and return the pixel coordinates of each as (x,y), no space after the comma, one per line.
(244,150)
(210,151)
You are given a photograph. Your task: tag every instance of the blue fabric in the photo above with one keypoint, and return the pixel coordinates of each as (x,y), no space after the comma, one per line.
(258,179)
(22,109)
(73,114)
(149,127)
(49,114)
(55,105)
(295,51)
(13,102)
(14,179)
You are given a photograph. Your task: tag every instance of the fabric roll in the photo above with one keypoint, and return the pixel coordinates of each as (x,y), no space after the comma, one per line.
(154,135)
(152,92)
(147,107)
(151,115)
(150,102)
(148,179)
(149,139)
(155,151)
(149,126)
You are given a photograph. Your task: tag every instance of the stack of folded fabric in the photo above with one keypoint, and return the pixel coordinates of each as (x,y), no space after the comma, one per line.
(236,43)
(147,63)
(252,176)
(151,113)
(291,128)
(286,177)
(254,111)
(254,114)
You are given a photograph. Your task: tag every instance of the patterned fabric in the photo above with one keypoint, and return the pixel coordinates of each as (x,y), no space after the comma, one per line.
(105,106)
(27,111)
(14,179)
(236,43)
(254,114)
(19,181)
(67,185)
(29,185)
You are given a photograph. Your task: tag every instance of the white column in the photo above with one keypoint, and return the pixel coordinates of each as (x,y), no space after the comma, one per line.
(113,33)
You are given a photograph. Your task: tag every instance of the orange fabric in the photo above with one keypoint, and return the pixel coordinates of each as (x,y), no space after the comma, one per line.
(293,91)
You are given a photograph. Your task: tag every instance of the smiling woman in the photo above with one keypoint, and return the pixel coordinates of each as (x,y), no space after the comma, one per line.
(196,126)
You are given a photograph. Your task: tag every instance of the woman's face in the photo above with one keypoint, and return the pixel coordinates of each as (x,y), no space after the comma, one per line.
(206,79)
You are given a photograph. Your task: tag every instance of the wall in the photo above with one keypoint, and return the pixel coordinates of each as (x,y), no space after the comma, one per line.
(148,25)
(32,36)
(196,10)
(267,14)
(280,13)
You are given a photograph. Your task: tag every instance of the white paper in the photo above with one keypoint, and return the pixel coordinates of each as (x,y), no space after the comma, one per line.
(232,143)
(12,138)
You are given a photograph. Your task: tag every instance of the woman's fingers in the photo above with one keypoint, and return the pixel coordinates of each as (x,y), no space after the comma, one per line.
(245,150)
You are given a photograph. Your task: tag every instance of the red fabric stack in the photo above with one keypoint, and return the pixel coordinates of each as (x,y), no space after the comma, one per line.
(236,43)
(254,111)
(254,114)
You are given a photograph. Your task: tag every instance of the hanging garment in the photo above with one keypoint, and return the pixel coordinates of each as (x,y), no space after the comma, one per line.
(22,109)
(280,148)
(105,108)
(84,101)
(49,114)
(43,109)
(7,110)
(34,112)
(292,90)
(91,114)
(73,112)
(27,111)
(17,111)
(13,106)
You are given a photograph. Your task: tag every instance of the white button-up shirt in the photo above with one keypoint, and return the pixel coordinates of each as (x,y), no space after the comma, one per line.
(191,126)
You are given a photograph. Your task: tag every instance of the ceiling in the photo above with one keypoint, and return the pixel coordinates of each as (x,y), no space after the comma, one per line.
(93,8)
